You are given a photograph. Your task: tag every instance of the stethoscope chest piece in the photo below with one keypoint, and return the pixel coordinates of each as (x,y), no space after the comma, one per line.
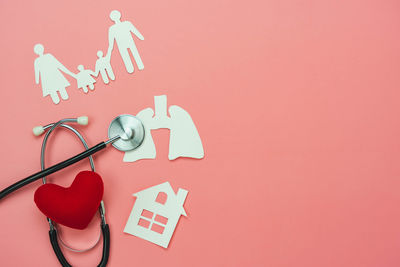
(131,132)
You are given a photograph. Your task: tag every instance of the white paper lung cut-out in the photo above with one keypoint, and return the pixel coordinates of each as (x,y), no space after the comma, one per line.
(155,214)
(184,140)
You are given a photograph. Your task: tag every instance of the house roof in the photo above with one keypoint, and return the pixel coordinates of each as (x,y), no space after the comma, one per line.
(166,187)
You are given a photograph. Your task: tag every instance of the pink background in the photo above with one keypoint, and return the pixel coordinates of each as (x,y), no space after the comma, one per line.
(297,104)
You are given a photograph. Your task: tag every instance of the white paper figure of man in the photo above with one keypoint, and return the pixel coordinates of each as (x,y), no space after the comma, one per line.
(48,72)
(103,67)
(121,33)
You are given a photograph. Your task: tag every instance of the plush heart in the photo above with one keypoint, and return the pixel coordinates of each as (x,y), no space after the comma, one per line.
(73,206)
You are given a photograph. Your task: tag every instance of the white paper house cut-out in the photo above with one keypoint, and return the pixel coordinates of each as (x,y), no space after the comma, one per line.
(155,214)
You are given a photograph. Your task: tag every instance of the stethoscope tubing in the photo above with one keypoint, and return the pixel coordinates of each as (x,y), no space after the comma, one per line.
(46,137)
(52,169)
(60,165)
(61,258)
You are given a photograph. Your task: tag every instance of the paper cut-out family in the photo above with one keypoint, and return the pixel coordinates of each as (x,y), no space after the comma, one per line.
(49,71)
(184,140)
(156,213)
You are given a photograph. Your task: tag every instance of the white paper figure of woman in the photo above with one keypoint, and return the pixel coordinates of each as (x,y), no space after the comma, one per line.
(103,67)
(84,79)
(48,73)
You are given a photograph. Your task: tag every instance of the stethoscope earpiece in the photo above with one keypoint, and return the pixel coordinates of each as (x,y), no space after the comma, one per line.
(39,130)
(83,120)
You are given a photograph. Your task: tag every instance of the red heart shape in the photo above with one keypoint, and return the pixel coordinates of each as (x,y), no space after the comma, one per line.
(73,206)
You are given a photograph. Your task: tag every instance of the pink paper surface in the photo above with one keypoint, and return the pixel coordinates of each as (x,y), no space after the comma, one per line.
(296,102)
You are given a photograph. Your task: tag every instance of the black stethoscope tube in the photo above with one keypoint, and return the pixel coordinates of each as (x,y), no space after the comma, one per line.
(52,169)
(61,258)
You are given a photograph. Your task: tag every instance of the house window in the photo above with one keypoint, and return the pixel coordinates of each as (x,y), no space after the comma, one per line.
(153,222)
(161,198)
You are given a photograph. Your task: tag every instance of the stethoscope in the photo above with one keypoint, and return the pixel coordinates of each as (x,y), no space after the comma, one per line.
(125,133)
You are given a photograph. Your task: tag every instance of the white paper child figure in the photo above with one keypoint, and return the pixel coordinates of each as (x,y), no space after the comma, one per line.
(103,67)
(85,79)
(121,33)
(48,72)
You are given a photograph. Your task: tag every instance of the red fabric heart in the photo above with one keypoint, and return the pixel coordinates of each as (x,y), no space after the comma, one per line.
(73,206)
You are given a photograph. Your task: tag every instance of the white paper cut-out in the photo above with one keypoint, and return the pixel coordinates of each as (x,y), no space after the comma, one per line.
(84,79)
(121,32)
(147,150)
(184,139)
(103,67)
(156,212)
(48,71)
